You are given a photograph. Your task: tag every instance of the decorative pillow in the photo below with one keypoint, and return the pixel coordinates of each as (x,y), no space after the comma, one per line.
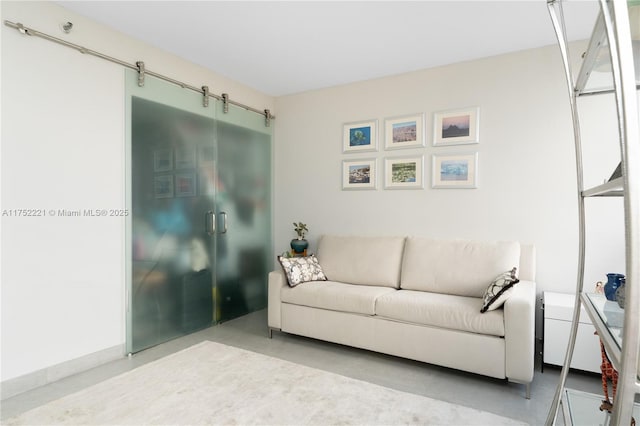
(499,291)
(301,269)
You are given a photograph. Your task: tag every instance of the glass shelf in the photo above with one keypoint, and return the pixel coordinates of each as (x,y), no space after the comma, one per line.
(610,313)
(582,408)
(608,319)
(596,73)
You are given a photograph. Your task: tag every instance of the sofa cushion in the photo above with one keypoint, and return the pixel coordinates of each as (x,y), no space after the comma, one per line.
(301,269)
(499,291)
(335,296)
(458,267)
(362,260)
(440,310)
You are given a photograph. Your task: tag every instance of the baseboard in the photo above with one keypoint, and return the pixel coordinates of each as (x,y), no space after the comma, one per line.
(38,378)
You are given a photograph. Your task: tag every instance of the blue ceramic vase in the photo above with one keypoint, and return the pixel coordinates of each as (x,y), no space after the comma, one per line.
(613,282)
(299,246)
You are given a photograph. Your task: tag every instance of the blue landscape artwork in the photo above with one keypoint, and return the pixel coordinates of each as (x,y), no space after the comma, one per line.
(454,170)
(360,136)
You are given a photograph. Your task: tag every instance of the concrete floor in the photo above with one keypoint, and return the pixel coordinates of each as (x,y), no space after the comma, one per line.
(250,332)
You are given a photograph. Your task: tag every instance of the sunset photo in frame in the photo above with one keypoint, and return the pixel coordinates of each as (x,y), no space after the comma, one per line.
(359,174)
(455,170)
(456,127)
(403,173)
(404,132)
(360,136)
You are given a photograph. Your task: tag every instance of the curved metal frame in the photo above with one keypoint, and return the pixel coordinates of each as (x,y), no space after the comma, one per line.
(557,18)
(616,22)
(626,103)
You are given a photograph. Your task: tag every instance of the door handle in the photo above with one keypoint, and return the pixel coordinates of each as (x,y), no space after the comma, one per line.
(224,222)
(210,222)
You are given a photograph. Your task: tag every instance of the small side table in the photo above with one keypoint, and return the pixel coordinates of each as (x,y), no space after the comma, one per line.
(558,312)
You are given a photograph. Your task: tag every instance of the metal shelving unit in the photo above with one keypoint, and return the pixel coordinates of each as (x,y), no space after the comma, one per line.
(611,42)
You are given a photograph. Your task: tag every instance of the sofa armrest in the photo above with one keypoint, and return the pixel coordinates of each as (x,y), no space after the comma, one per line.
(277,280)
(519,332)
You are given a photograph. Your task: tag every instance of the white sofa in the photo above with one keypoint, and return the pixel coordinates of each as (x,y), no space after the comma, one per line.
(416,298)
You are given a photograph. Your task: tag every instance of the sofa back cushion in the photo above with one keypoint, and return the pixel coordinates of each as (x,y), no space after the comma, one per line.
(458,267)
(361,260)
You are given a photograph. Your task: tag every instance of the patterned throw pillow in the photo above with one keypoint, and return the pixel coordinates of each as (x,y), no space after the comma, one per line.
(499,291)
(301,269)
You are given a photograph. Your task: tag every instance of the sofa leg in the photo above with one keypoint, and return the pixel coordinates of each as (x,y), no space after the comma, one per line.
(527,388)
(271,330)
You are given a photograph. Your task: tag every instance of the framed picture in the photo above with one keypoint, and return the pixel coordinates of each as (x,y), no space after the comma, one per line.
(455,170)
(360,136)
(359,174)
(163,186)
(403,173)
(404,132)
(185,184)
(185,158)
(162,160)
(456,127)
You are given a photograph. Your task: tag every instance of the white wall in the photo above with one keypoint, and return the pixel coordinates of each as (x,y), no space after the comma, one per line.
(527,188)
(63,291)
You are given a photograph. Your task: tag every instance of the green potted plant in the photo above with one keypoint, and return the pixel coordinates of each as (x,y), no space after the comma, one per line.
(299,244)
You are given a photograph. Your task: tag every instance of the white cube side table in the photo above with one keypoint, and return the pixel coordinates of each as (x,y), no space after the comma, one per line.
(558,312)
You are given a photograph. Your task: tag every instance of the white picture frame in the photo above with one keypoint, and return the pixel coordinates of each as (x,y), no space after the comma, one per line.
(185,185)
(185,158)
(163,186)
(359,174)
(404,172)
(456,127)
(404,132)
(162,160)
(360,136)
(455,170)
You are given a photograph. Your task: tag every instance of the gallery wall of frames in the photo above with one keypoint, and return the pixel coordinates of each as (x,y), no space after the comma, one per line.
(404,141)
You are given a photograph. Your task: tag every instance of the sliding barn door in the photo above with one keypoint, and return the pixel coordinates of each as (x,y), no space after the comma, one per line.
(172,202)
(244,212)
(199,224)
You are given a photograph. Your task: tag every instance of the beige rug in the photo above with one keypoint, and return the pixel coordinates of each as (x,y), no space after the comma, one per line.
(211,383)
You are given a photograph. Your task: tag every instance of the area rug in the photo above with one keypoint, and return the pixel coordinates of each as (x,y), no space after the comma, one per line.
(214,384)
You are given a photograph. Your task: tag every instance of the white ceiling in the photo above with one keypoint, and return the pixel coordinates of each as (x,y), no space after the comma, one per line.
(285,47)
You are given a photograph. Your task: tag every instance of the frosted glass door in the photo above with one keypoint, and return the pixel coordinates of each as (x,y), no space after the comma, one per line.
(243,206)
(171,153)
(199,233)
